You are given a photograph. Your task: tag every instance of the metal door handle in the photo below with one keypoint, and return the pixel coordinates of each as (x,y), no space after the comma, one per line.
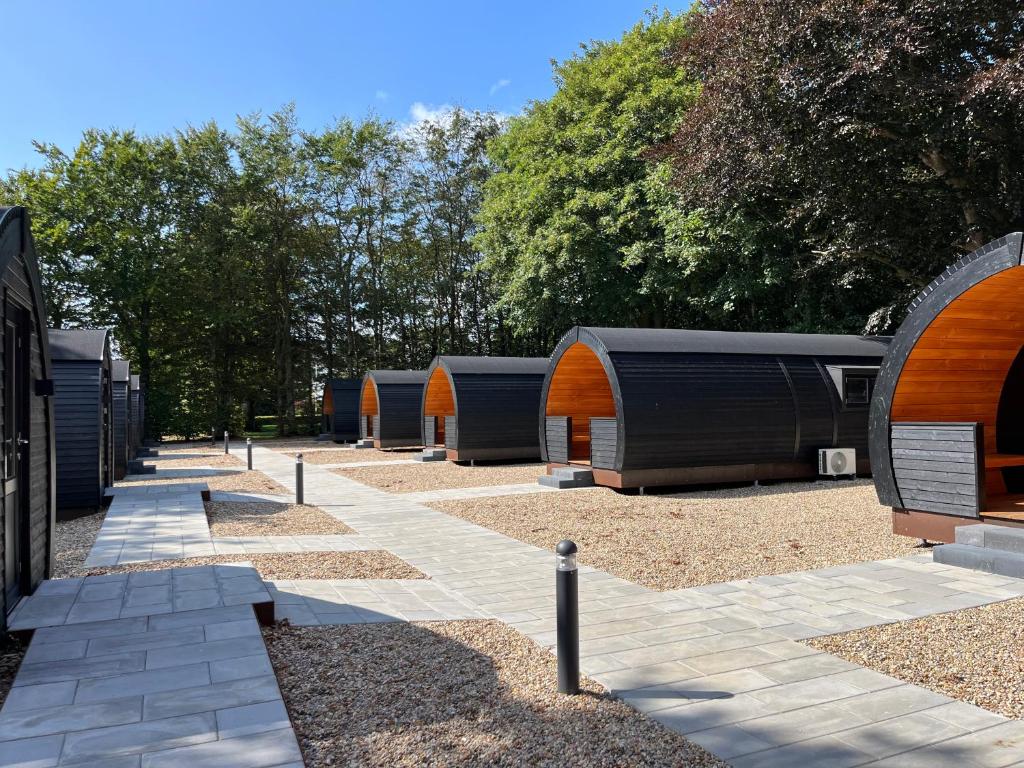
(22,441)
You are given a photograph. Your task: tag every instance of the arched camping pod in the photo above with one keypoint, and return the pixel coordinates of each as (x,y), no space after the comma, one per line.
(646,407)
(340,410)
(389,408)
(947,420)
(28,503)
(481,408)
(121,407)
(82,418)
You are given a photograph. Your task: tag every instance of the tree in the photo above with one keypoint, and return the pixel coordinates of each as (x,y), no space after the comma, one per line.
(865,142)
(571,231)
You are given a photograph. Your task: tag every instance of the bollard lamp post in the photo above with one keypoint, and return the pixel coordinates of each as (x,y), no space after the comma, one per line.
(567,617)
(248,450)
(298,478)
(225,441)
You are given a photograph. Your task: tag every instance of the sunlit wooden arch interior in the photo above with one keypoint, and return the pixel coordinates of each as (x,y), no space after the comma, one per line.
(328,400)
(958,368)
(581,390)
(368,399)
(439,401)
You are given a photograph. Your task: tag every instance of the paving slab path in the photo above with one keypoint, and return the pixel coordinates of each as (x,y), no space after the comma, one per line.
(478,492)
(175,687)
(718,663)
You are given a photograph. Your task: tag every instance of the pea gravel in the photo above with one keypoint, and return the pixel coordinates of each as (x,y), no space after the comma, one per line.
(701,537)
(72,541)
(468,693)
(972,655)
(270,518)
(244,481)
(376,564)
(363,454)
(12,650)
(441,475)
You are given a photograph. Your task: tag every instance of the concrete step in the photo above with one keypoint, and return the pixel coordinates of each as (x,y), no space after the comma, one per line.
(432,454)
(568,477)
(998,537)
(366,442)
(324,437)
(136,467)
(146,453)
(997,561)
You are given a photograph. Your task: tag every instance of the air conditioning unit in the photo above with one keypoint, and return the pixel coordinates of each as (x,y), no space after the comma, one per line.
(835,462)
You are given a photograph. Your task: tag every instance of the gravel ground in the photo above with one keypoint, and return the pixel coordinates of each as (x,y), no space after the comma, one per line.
(269,518)
(971,655)
(468,693)
(11,652)
(236,482)
(363,454)
(72,541)
(376,564)
(687,540)
(440,475)
(217,459)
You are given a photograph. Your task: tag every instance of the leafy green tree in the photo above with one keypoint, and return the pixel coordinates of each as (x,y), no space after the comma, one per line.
(571,230)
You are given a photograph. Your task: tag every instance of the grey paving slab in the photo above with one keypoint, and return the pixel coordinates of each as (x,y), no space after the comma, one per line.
(146,690)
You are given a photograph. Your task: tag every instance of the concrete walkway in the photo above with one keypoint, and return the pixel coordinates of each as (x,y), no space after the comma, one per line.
(172,687)
(479,492)
(251,545)
(717,663)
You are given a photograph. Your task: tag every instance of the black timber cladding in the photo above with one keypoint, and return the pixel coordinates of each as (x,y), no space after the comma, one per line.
(343,421)
(940,467)
(35,489)
(398,404)
(81,372)
(709,398)
(496,405)
(135,408)
(556,432)
(121,408)
(990,259)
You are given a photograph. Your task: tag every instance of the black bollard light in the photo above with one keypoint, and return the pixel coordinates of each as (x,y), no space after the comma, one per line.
(225,441)
(248,450)
(213,435)
(567,612)
(298,478)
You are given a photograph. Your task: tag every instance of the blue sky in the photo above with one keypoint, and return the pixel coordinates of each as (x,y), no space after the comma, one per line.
(155,65)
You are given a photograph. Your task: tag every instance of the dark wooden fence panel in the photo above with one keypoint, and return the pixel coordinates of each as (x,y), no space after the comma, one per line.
(557,430)
(451,432)
(603,442)
(428,430)
(940,467)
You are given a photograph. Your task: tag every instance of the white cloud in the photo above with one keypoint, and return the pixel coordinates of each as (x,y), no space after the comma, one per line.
(382,95)
(503,83)
(424,113)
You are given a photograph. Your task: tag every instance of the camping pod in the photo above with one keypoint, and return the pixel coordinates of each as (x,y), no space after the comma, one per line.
(947,419)
(340,410)
(121,407)
(28,503)
(82,418)
(135,418)
(645,407)
(389,408)
(483,408)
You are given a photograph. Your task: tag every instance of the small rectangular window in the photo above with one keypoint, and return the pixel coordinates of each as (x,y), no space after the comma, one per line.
(858,390)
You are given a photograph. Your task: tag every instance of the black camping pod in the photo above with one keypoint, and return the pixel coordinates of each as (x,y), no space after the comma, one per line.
(389,408)
(340,410)
(135,422)
(121,406)
(947,420)
(82,418)
(644,407)
(481,408)
(28,505)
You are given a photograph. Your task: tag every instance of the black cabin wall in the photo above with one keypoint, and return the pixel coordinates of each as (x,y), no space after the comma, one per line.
(78,418)
(344,422)
(399,408)
(498,412)
(121,416)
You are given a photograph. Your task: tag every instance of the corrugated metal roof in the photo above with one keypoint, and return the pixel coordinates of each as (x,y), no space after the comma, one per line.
(120,370)
(77,343)
(469,364)
(665,340)
(398,377)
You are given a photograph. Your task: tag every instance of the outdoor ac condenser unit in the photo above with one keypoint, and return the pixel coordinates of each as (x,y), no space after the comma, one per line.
(835,462)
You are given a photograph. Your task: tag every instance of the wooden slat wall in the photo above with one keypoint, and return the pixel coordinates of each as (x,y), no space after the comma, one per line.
(439,400)
(451,432)
(957,368)
(580,388)
(936,467)
(556,433)
(603,443)
(368,399)
(428,430)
